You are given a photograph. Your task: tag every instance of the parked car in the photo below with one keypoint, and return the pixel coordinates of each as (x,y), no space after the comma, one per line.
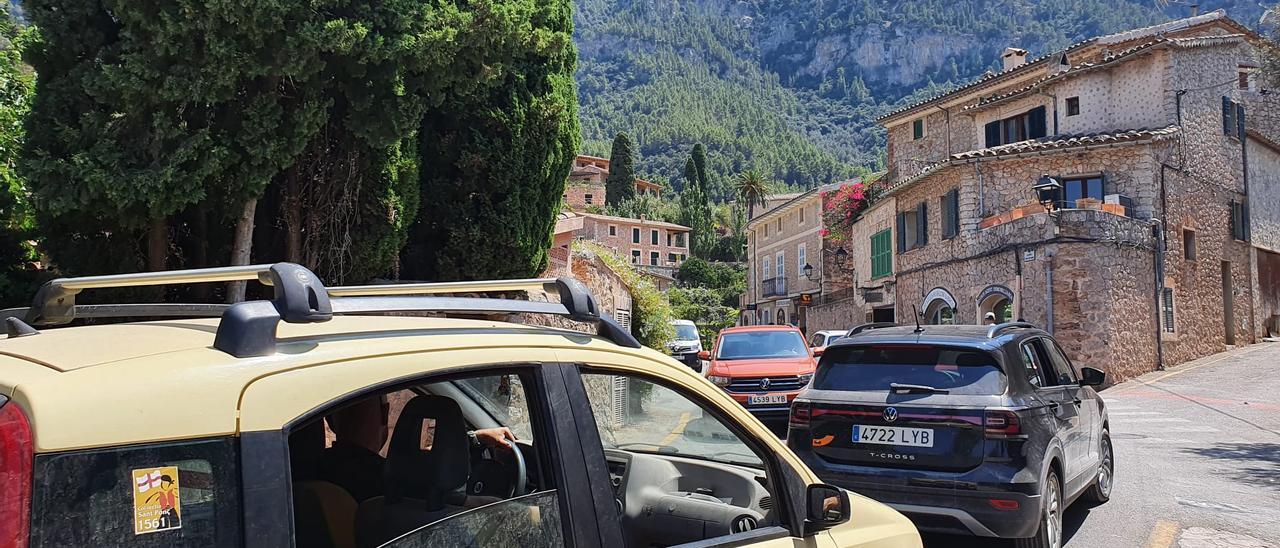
(989,431)
(762,367)
(823,338)
(687,344)
(212,431)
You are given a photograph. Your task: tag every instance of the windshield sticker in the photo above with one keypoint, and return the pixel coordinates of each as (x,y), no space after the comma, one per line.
(156,504)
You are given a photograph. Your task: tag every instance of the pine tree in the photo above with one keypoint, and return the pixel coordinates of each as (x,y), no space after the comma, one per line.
(622,173)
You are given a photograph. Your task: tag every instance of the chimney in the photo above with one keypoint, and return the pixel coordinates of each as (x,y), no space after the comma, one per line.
(1014,58)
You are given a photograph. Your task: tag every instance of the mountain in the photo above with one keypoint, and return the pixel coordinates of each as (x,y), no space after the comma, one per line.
(792,88)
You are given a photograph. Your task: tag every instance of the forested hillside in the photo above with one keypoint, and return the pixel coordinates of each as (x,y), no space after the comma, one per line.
(792,88)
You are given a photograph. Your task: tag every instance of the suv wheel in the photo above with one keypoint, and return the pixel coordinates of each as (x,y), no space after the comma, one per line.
(1049,534)
(1100,491)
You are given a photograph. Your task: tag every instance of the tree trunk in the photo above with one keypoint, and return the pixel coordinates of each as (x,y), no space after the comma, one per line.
(158,244)
(200,256)
(241,247)
(292,206)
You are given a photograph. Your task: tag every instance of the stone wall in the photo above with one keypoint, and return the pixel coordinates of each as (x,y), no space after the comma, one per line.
(575,194)
(844,314)
(1264,194)
(1116,99)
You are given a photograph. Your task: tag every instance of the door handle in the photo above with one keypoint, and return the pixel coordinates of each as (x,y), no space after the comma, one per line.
(1076,402)
(1054,406)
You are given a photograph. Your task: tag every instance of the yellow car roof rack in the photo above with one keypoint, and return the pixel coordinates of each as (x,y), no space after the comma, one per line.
(249,328)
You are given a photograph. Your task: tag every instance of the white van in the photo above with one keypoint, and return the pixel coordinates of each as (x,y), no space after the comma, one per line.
(687,344)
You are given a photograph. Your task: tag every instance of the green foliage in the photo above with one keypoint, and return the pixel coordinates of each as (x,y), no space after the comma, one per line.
(17,84)
(751,189)
(621,184)
(651,313)
(695,204)
(728,279)
(646,205)
(704,307)
(498,158)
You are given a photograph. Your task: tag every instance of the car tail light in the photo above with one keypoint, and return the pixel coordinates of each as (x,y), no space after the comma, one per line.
(1003,504)
(1000,422)
(800,413)
(15,476)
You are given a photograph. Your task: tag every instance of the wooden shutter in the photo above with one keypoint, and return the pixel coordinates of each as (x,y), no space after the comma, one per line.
(922,224)
(951,223)
(1240,122)
(1245,229)
(1228,116)
(946,215)
(902,233)
(1036,126)
(993,134)
(1237,229)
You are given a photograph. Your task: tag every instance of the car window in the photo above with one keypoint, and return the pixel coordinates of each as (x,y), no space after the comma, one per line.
(877,367)
(686,332)
(1062,369)
(503,397)
(818,339)
(530,521)
(170,494)
(761,345)
(1031,362)
(635,414)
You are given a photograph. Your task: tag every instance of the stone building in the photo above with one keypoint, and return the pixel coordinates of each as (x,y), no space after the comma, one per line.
(859,273)
(783,238)
(655,246)
(1157,150)
(585,186)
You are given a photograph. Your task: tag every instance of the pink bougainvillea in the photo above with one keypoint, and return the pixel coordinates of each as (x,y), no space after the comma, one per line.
(842,207)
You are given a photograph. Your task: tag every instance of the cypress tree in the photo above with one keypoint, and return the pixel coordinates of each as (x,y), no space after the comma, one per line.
(621,183)
(494,162)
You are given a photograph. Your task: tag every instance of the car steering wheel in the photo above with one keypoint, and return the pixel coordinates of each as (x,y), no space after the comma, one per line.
(522,473)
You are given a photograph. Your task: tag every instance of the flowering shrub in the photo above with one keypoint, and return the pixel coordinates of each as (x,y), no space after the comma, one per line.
(842,207)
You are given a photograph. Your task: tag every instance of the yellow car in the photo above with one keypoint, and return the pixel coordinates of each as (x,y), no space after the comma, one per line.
(328,417)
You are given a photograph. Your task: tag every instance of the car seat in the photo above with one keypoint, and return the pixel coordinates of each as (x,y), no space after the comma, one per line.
(428,461)
(324,514)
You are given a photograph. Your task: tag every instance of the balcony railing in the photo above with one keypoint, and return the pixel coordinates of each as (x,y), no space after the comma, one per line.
(774,287)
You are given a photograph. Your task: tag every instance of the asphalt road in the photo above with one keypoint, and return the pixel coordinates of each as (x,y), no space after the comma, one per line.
(1197,459)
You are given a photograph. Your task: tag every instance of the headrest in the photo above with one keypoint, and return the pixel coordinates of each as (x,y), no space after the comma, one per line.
(428,468)
(306,448)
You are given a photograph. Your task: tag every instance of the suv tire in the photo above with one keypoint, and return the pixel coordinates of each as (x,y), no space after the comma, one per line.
(1100,491)
(1049,533)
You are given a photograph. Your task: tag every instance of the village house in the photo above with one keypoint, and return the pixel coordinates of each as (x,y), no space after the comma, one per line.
(784,250)
(654,246)
(859,273)
(585,186)
(1122,194)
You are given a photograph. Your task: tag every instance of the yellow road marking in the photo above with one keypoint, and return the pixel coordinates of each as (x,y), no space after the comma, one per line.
(1180,371)
(684,421)
(1163,535)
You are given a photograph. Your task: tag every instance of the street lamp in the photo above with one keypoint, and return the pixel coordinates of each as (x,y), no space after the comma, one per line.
(1049,192)
(808,271)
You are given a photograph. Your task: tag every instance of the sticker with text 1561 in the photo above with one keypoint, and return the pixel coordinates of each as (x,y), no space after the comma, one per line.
(156,505)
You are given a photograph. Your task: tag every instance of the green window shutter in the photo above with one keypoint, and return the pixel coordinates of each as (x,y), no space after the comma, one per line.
(882,254)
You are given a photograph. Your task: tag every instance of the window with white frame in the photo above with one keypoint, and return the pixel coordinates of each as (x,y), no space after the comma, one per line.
(801,257)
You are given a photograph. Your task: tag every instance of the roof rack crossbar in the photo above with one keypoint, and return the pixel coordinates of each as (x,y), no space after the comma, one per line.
(577,301)
(1000,328)
(142,310)
(55,302)
(870,326)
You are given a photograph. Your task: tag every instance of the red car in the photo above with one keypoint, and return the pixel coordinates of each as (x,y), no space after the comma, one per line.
(762,367)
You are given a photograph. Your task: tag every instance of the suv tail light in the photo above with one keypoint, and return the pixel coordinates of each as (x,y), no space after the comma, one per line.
(800,413)
(1001,422)
(15,476)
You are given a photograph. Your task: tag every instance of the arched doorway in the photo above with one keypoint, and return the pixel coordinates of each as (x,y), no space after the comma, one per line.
(939,308)
(782,317)
(998,300)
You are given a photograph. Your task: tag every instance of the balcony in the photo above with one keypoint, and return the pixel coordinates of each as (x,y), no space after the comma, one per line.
(774,287)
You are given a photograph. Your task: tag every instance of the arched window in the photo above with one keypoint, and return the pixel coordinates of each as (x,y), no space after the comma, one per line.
(940,307)
(998,300)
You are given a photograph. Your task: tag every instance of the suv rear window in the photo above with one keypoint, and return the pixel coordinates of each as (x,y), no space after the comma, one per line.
(874,368)
(171,494)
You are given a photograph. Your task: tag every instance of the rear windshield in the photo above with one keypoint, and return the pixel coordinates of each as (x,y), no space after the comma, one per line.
(761,344)
(872,368)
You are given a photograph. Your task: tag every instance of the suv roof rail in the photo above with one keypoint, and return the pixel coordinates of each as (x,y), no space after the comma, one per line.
(1000,328)
(870,326)
(249,328)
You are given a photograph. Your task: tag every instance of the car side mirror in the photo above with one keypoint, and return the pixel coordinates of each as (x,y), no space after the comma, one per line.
(828,506)
(818,350)
(704,354)
(1091,377)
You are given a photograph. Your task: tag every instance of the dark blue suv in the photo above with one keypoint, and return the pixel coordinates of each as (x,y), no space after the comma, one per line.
(983,430)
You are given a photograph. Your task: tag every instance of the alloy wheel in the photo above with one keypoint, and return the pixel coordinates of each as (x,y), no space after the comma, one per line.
(1053,515)
(1107,468)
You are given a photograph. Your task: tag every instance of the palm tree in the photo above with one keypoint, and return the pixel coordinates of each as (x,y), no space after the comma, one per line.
(752,188)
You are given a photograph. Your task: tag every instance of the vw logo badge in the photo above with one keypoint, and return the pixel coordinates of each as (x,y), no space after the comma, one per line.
(764,383)
(890,414)
(478,487)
